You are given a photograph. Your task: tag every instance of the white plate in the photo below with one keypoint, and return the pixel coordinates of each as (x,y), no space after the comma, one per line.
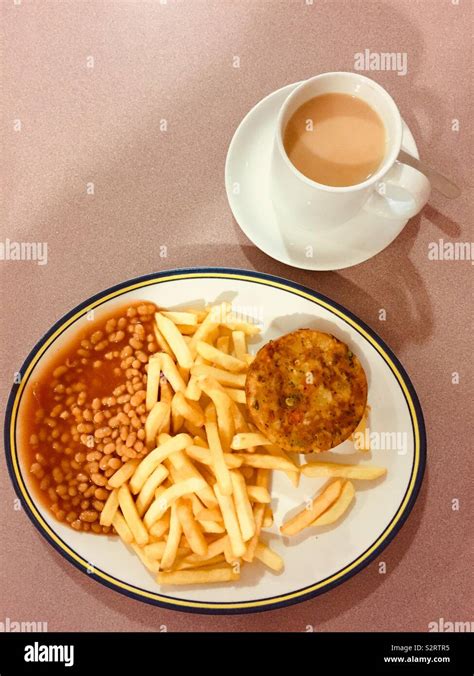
(247,173)
(314,561)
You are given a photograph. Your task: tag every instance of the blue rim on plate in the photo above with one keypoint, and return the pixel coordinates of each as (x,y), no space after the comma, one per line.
(185,605)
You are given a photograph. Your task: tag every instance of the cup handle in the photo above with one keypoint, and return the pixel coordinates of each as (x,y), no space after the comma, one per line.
(402,193)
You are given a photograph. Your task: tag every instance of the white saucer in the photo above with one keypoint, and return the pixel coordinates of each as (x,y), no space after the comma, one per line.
(247,172)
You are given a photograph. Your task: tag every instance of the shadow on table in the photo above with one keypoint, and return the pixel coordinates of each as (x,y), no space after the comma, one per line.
(388,285)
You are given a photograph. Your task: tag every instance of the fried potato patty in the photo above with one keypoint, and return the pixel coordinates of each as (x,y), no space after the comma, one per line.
(306,391)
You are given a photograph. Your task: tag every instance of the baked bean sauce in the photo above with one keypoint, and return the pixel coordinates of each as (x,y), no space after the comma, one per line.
(85,414)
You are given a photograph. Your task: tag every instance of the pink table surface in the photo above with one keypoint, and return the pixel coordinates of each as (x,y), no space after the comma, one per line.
(174,61)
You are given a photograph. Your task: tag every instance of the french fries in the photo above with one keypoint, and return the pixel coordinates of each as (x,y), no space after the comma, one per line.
(236,395)
(189,410)
(310,513)
(162,343)
(206,514)
(233,322)
(240,344)
(194,508)
(336,511)
(161,527)
(165,390)
(109,509)
(158,508)
(172,374)
(146,495)
(211,526)
(122,528)
(218,462)
(267,517)
(266,462)
(153,381)
(182,468)
(267,556)
(131,516)
(181,318)
(191,528)
(222,376)
(215,356)
(242,505)
(223,344)
(248,439)
(214,549)
(259,514)
(231,523)
(209,576)
(175,340)
(332,469)
(122,475)
(157,418)
(155,458)
(193,391)
(208,325)
(204,456)
(258,494)
(293,475)
(172,542)
(223,410)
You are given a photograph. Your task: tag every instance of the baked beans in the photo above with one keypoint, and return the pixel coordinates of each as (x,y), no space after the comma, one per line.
(84,414)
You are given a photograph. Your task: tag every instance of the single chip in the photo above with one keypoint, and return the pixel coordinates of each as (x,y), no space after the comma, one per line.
(203,576)
(313,509)
(270,558)
(109,509)
(172,542)
(123,474)
(306,391)
(326,469)
(338,508)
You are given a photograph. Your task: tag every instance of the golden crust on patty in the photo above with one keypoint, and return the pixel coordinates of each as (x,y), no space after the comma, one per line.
(306,391)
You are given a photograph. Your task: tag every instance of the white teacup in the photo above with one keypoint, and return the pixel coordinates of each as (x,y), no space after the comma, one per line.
(389,192)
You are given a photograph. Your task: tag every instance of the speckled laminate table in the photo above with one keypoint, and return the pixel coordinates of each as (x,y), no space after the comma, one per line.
(88,84)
